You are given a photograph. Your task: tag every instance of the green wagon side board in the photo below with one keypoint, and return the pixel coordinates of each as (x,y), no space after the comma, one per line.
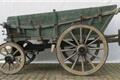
(43,24)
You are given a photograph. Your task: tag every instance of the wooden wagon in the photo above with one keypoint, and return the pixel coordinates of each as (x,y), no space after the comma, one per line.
(76,36)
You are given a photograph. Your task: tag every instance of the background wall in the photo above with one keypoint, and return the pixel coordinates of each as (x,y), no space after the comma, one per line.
(14,7)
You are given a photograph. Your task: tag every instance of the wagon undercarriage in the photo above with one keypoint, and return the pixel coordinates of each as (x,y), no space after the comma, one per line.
(76,36)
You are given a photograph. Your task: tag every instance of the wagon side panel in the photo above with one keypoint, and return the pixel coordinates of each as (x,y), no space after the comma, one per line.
(99,22)
(42,25)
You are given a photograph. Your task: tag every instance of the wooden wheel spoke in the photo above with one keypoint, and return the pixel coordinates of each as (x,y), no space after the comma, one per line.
(94,55)
(96,48)
(87,58)
(75,39)
(81,41)
(71,47)
(15,52)
(68,42)
(6,50)
(82,64)
(93,41)
(75,62)
(64,50)
(88,36)
(18,60)
(2,54)
(91,46)
(12,65)
(9,66)
(74,53)
(3,65)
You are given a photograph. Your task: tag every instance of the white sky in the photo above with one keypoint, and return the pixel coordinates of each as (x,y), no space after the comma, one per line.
(59,0)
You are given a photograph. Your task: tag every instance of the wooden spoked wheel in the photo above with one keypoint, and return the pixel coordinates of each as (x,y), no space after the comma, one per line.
(81,40)
(12,58)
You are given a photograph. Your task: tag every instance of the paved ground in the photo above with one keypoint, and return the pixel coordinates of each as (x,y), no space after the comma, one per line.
(55,72)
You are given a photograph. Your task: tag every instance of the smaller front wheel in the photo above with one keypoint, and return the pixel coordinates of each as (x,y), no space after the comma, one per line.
(12,58)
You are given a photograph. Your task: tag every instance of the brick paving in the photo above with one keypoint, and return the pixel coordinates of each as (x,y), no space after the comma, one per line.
(56,72)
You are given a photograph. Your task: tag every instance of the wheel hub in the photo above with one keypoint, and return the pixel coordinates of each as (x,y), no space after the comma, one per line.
(82,50)
(9,58)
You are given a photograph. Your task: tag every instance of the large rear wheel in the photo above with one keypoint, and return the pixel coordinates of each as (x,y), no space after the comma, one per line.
(81,40)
